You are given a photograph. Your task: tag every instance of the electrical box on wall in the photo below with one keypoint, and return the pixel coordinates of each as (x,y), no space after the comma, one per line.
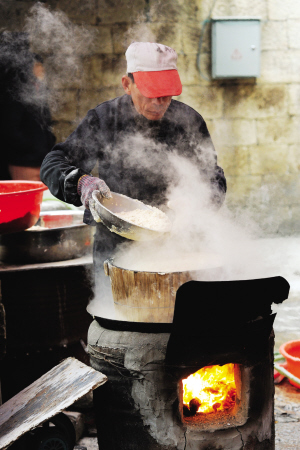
(235,47)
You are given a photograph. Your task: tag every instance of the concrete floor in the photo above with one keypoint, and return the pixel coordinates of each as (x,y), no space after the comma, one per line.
(284,256)
(287,417)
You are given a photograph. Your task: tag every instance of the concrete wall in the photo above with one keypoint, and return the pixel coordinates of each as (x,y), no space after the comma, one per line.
(254,123)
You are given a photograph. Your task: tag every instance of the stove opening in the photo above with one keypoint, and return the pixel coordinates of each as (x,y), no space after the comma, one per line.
(209,390)
(214,396)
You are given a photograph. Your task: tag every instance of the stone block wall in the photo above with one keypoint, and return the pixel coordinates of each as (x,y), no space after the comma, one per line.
(254,123)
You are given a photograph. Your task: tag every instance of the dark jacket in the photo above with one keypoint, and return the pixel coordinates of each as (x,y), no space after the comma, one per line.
(26,135)
(25,121)
(132,153)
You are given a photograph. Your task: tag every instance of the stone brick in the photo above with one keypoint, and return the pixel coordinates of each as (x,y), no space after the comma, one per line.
(266,159)
(244,8)
(293,225)
(13,14)
(191,34)
(62,130)
(68,106)
(169,11)
(203,66)
(187,69)
(293,159)
(282,10)
(290,222)
(154,32)
(233,132)
(284,189)
(171,36)
(112,11)
(240,188)
(113,69)
(104,71)
(79,11)
(295,210)
(271,224)
(139,31)
(283,130)
(209,123)
(293,27)
(89,99)
(71,78)
(274,35)
(258,199)
(255,101)
(103,42)
(278,10)
(208,101)
(220,9)
(280,66)
(53,33)
(294,99)
(202,10)
(234,160)
(119,37)
(189,72)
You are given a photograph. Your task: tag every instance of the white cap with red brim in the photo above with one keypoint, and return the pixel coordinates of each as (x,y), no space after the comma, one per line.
(154,69)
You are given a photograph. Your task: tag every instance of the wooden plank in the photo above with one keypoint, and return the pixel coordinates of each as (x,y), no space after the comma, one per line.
(53,392)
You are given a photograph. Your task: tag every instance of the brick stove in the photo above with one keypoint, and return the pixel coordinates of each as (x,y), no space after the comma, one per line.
(141,407)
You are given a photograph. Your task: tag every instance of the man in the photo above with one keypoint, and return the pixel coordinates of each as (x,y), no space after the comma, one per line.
(130,137)
(25,121)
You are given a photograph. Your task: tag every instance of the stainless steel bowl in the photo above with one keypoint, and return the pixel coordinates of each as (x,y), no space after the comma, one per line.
(59,219)
(107,210)
(57,236)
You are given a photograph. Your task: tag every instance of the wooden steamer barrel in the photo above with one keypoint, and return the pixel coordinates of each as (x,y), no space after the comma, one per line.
(141,296)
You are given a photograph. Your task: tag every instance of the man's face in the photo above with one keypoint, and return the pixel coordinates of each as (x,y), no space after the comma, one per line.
(151,108)
(39,70)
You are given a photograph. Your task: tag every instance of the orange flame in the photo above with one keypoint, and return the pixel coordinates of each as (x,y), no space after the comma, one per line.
(209,390)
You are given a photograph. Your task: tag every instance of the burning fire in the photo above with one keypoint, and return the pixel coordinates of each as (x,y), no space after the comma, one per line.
(209,390)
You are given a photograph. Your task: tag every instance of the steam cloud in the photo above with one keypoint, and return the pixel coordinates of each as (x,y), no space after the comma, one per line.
(143,31)
(16,69)
(61,44)
(198,228)
(201,237)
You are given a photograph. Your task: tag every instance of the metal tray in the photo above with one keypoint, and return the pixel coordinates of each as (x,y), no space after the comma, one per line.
(58,242)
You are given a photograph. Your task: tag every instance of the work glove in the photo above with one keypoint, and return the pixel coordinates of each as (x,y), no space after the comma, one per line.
(93,209)
(87,185)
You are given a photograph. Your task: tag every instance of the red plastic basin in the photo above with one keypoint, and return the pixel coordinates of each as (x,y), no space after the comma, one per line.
(20,203)
(291,351)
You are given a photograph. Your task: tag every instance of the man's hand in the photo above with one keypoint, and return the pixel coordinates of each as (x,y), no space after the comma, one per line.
(87,185)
